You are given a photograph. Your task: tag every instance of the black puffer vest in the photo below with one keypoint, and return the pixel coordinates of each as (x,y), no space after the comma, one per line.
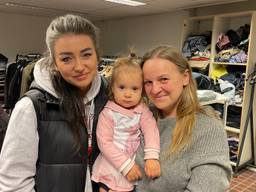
(59,167)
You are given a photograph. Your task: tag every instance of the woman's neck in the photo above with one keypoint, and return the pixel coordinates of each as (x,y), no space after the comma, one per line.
(169,113)
(85,90)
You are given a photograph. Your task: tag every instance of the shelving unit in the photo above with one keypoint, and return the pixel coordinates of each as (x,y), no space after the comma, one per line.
(220,99)
(223,63)
(220,24)
(232,129)
(197,25)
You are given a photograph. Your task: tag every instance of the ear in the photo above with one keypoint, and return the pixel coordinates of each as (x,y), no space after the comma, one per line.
(186,77)
(112,88)
(55,68)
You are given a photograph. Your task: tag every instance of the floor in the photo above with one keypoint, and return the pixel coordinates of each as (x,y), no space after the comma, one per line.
(245,181)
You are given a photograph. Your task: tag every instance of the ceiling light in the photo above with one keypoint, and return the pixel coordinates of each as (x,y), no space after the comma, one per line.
(9,4)
(127,2)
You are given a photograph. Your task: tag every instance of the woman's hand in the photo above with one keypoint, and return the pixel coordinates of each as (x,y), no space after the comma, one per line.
(152,168)
(134,174)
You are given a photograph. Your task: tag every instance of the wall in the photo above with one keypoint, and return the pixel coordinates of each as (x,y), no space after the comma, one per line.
(141,33)
(21,34)
(248,5)
(24,34)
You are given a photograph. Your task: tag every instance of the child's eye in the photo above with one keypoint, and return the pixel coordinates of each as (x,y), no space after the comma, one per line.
(121,87)
(135,88)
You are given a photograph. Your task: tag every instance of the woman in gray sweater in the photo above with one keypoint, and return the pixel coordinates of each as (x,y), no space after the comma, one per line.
(194,153)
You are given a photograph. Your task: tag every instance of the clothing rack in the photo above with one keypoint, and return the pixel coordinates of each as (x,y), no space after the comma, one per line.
(14,81)
(3,58)
(3,63)
(105,66)
(105,61)
(249,119)
(28,57)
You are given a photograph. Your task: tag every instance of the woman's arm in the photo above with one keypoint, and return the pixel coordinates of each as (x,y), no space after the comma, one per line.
(20,149)
(210,166)
(209,177)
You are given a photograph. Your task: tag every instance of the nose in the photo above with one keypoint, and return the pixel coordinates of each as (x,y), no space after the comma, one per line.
(155,89)
(128,93)
(79,67)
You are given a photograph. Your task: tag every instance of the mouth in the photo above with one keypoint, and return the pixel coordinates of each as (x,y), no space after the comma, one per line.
(127,101)
(159,98)
(81,76)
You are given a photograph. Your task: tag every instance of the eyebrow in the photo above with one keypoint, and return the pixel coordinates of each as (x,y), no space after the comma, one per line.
(86,49)
(164,75)
(70,53)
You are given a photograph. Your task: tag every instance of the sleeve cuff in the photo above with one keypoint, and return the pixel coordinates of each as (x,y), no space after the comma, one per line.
(126,166)
(151,154)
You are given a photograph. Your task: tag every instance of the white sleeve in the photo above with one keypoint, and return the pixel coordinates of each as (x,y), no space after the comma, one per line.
(20,149)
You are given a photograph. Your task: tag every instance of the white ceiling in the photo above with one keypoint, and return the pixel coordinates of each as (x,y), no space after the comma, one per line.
(100,9)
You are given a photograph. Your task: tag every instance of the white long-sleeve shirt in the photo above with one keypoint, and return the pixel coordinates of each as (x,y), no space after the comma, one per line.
(20,148)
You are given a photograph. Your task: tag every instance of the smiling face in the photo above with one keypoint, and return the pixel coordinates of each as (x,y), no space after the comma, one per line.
(164,83)
(127,88)
(76,60)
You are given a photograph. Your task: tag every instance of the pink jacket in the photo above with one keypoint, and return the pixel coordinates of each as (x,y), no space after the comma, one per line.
(118,137)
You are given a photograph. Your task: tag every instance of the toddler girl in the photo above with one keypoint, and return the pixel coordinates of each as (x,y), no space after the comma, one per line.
(122,121)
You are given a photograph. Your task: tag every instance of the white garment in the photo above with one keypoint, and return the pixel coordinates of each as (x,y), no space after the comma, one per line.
(88,186)
(20,148)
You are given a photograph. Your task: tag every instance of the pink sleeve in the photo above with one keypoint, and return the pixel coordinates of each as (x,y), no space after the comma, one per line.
(119,159)
(151,134)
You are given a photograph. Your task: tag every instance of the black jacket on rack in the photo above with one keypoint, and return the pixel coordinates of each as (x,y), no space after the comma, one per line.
(13,79)
(12,83)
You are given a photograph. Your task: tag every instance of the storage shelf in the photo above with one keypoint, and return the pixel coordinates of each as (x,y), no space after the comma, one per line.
(198,64)
(237,105)
(220,98)
(218,24)
(225,63)
(232,129)
(233,163)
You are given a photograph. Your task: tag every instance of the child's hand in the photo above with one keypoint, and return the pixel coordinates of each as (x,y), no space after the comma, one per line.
(152,168)
(134,174)
(102,190)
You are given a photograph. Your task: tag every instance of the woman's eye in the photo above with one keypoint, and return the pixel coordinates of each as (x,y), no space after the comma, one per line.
(65,59)
(87,55)
(147,82)
(164,80)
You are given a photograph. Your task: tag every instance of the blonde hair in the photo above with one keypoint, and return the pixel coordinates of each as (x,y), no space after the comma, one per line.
(188,105)
(120,65)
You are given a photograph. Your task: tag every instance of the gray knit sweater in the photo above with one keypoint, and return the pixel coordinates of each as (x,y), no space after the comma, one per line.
(203,167)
